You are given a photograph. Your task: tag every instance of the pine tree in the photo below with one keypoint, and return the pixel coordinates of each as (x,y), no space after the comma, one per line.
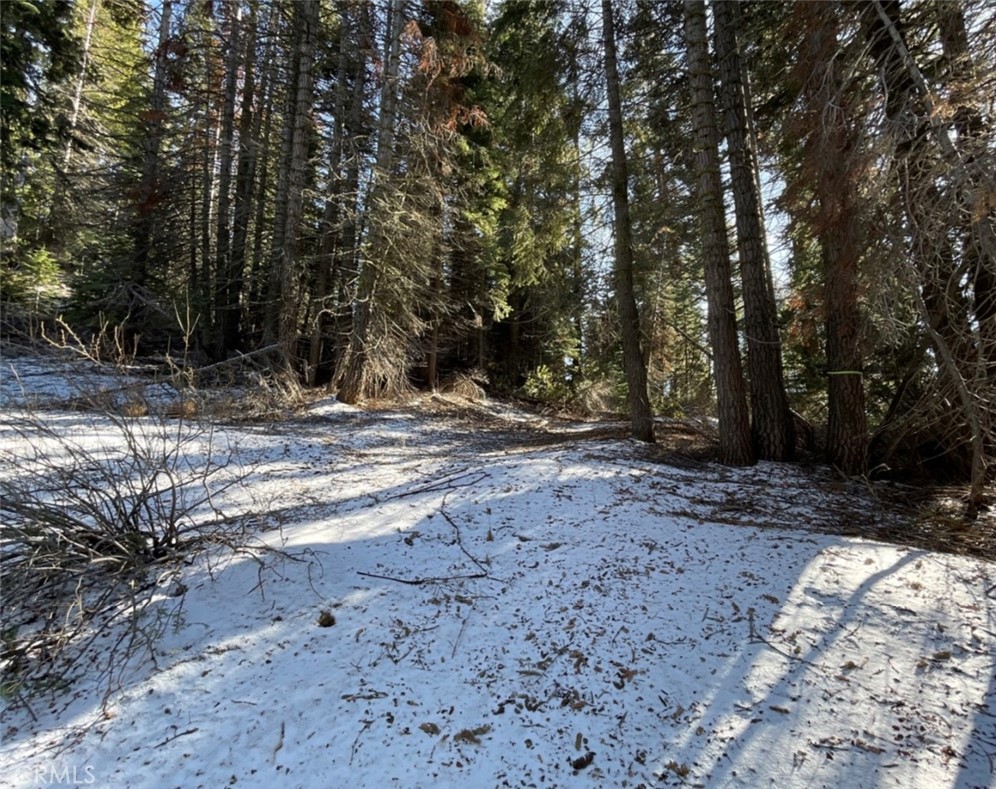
(772,423)
(734,420)
(634,361)
(833,162)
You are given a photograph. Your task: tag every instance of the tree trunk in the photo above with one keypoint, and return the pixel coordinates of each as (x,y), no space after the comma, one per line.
(432,357)
(915,165)
(61,187)
(833,163)
(223,246)
(734,420)
(965,360)
(325,274)
(847,428)
(975,133)
(634,364)
(282,318)
(773,427)
(351,387)
(257,305)
(209,199)
(250,124)
(148,190)
(577,252)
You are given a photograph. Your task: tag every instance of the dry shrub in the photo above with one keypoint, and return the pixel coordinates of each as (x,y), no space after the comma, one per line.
(185,408)
(464,385)
(256,396)
(598,397)
(92,508)
(134,409)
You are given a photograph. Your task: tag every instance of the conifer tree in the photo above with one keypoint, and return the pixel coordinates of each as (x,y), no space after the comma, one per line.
(734,420)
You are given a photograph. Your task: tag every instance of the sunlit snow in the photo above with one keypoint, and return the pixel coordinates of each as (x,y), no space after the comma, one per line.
(513,612)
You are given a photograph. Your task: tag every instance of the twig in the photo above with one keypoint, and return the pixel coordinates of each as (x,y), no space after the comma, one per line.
(177,736)
(456,643)
(464,478)
(280,741)
(352,751)
(456,529)
(756,638)
(419,581)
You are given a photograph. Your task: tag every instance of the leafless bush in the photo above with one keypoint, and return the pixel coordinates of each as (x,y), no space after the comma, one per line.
(94,509)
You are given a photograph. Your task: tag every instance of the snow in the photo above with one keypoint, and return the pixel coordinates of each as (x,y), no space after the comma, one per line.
(505,606)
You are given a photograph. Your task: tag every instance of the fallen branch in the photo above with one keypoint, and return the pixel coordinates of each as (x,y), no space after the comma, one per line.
(352,751)
(177,736)
(757,638)
(459,541)
(240,358)
(456,643)
(420,581)
(465,478)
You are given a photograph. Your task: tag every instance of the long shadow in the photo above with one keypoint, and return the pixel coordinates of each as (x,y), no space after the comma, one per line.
(983,736)
(774,727)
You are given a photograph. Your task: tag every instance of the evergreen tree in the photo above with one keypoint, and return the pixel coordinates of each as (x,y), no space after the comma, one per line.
(634,362)
(771,420)
(734,420)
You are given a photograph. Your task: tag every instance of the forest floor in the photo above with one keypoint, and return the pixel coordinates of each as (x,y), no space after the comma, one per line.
(456,593)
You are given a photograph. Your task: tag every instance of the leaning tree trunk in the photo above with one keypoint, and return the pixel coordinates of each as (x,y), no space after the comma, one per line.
(772,423)
(734,420)
(975,150)
(915,163)
(634,364)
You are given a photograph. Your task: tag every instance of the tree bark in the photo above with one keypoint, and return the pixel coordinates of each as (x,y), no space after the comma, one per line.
(282,318)
(734,420)
(634,361)
(833,163)
(223,239)
(148,190)
(352,384)
(773,428)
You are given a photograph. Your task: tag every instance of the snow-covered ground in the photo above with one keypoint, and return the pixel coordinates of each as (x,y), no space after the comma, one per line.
(515,609)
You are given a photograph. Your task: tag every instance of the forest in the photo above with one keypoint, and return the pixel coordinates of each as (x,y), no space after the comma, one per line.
(498,393)
(777,214)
